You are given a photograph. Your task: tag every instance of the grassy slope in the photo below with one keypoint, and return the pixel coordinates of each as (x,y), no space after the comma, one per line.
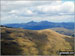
(32,42)
(63,31)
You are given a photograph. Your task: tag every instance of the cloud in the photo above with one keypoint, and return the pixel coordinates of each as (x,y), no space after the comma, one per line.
(19,12)
(60,8)
(53,8)
(24,11)
(68,7)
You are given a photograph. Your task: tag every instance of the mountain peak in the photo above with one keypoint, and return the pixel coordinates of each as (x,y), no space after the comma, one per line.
(45,22)
(32,22)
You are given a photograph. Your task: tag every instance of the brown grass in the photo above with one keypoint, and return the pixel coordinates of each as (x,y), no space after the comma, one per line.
(33,42)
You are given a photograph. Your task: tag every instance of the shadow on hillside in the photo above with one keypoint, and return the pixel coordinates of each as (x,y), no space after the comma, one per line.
(71,41)
(8,46)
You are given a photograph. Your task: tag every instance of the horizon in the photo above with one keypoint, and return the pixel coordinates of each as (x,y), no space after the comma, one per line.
(38,22)
(26,11)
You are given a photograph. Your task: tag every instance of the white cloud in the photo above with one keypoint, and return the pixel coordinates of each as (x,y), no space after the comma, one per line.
(29,12)
(13,11)
(24,11)
(66,7)
(17,11)
(49,8)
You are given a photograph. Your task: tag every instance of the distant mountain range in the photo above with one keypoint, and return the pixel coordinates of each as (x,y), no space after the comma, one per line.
(42,25)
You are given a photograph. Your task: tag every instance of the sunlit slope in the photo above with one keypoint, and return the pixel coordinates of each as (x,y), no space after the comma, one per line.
(63,31)
(33,42)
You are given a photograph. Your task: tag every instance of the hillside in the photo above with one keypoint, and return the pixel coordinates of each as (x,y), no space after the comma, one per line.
(63,31)
(33,42)
(42,25)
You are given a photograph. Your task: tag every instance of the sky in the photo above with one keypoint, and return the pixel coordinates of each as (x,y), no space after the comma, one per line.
(25,11)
